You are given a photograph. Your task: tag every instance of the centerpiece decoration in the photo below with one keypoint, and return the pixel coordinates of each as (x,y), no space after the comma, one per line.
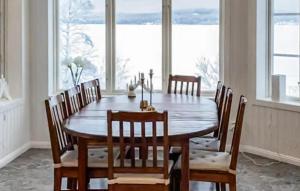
(144,105)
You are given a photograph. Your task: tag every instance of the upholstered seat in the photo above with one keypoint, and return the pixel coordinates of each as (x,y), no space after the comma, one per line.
(207,144)
(140,178)
(201,143)
(208,160)
(96,158)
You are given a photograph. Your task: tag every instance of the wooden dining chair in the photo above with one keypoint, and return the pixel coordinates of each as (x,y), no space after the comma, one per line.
(218,143)
(187,80)
(73,100)
(65,156)
(219,167)
(219,99)
(138,171)
(91,91)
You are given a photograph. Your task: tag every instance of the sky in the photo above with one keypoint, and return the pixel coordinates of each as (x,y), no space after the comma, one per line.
(287,5)
(140,6)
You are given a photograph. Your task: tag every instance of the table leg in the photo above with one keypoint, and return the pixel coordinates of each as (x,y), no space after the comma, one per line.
(185,172)
(82,165)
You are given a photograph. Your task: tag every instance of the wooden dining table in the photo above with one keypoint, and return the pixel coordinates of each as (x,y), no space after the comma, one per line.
(189,117)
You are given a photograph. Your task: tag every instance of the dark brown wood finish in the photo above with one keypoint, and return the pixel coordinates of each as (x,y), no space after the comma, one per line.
(61,144)
(224,121)
(187,80)
(91,91)
(189,116)
(218,91)
(224,176)
(74,100)
(219,99)
(140,121)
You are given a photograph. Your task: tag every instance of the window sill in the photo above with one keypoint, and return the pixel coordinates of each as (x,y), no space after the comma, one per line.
(286,105)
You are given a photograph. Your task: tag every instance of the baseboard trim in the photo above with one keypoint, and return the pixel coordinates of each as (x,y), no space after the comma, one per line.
(271,155)
(40,145)
(13,155)
(243,148)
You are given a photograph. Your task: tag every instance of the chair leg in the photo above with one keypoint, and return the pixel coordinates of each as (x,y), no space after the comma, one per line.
(217,186)
(232,185)
(57,180)
(72,183)
(166,188)
(176,180)
(223,187)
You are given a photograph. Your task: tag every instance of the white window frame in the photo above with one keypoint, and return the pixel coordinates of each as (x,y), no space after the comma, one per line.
(2,36)
(271,52)
(111,45)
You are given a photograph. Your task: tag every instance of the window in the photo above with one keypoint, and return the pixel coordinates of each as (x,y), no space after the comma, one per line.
(138,40)
(195,40)
(81,41)
(115,40)
(285,44)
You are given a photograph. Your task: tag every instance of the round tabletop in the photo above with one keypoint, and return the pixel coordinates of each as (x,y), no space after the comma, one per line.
(189,116)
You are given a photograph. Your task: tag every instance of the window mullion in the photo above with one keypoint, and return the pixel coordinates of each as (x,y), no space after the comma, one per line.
(109,45)
(166,42)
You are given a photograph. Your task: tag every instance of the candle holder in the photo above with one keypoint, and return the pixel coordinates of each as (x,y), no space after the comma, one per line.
(150,107)
(144,105)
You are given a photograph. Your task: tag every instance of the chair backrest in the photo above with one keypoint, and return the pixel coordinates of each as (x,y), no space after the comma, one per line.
(74,100)
(234,151)
(218,91)
(91,91)
(56,113)
(220,100)
(224,121)
(137,130)
(187,80)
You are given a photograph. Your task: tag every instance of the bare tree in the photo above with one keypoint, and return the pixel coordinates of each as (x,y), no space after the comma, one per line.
(76,45)
(208,71)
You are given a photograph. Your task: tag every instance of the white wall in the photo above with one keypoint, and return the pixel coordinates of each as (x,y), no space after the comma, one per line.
(267,131)
(15,128)
(39,69)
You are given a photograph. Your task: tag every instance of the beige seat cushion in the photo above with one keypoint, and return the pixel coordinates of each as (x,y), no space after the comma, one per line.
(140,178)
(200,143)
(207,144)
(208,160)
(96,158)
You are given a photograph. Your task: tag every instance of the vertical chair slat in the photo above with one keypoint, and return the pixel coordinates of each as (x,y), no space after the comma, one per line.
(181,87)
(144,150)
(122,145)
(132,147)
(185,79)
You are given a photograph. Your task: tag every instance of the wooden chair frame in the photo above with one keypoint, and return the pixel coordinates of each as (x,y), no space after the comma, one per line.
(219,99)
(74,100)
(143,143)
(184,79)
(61,143)
(223,177)
(91,91)
(224,121)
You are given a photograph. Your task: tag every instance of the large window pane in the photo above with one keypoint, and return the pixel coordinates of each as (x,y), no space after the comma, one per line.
(138,40)
(286,35)
(195,40)
(288,66)
(286,6)
(81,41)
